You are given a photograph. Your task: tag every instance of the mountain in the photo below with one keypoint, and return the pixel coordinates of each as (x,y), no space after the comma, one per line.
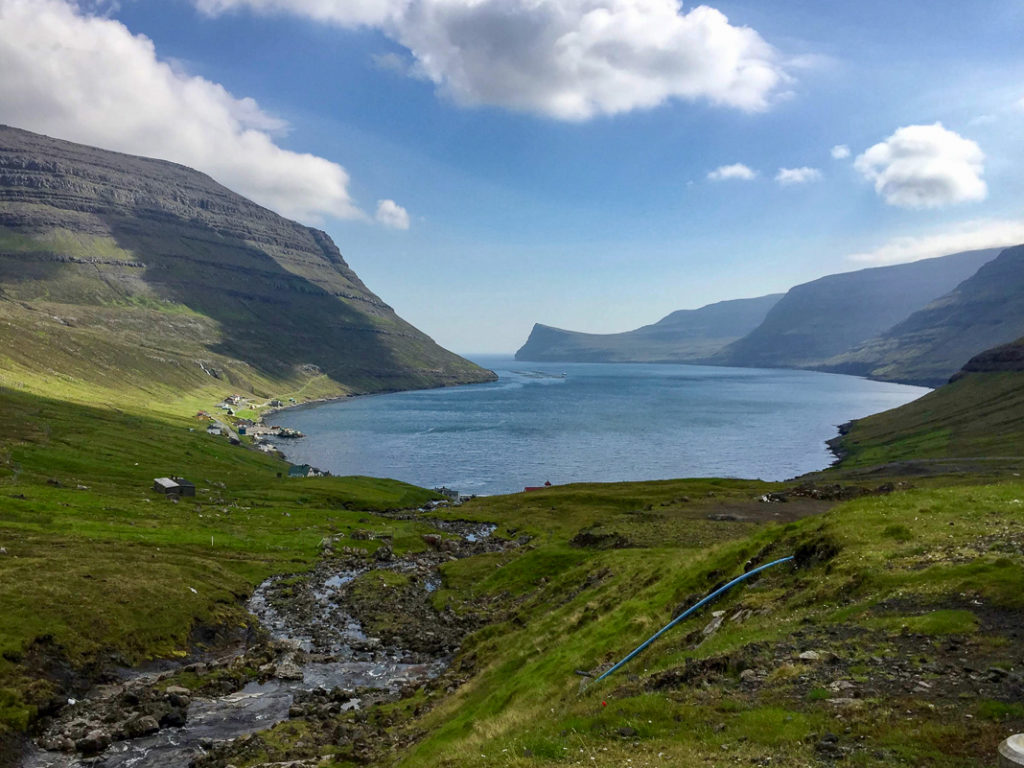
(687,335)
(826,317)
(932,344)
(122,273)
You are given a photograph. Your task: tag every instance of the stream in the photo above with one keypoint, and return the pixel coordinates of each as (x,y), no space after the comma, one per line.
(319,646)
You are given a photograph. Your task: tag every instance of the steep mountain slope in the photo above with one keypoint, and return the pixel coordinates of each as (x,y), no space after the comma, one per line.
(683,336)
(826,317)
(932,344)
(124,273)
(977,414)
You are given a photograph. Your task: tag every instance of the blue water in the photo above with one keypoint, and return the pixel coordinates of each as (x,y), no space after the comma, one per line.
(598,422)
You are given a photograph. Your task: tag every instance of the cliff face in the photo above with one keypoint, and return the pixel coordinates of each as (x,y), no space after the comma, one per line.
(1009,358)
(818,320)
(932,344)
(153,259)
(688,335)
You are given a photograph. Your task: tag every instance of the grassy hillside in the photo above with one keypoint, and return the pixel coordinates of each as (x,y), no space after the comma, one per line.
(894,640)
(683,336)
(96,567)
(883,597)
(826,317)
(978,415)
(931,345)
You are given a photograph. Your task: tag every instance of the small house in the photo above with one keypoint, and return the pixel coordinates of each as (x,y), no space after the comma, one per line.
(174,486)
(449,493)
(306,470)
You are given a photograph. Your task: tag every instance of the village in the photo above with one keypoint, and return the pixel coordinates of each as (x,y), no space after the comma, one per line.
(242,423)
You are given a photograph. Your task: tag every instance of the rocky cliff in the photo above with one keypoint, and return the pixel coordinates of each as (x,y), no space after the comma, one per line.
(685,336)
(118,270)
(1004,359)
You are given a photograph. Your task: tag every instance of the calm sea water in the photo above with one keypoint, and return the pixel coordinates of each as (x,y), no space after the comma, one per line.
(568,422)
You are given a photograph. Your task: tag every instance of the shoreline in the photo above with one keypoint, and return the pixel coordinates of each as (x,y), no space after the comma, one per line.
(831,453)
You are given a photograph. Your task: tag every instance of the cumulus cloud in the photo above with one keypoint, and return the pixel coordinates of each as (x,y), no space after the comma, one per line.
(86,78)
(788,177)
(966,236)
(840,152)
(391,214)
(734,171)
(925,166)
(566,59)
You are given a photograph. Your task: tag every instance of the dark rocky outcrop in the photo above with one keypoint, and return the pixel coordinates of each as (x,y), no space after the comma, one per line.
(1007,358)
(685,336)
(174,271)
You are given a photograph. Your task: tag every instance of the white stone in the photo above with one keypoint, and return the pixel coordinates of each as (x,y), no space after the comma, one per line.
(1011,752)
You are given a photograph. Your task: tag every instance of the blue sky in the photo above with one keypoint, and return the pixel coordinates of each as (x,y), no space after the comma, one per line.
(526,184)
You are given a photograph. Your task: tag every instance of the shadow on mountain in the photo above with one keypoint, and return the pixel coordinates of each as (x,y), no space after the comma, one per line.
(273,319)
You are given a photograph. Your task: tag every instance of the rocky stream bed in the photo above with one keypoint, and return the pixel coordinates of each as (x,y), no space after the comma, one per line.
(311,657)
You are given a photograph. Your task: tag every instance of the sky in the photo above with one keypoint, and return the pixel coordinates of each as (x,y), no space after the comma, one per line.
(589,164)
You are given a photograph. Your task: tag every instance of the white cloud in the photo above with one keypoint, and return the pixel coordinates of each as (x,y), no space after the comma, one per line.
(566,59)
(840,152)
(86,78)
(966,236)
(788,177)
(391,62)
(349,13)
(925,166)
(734,171)
(982,120)
(391,214)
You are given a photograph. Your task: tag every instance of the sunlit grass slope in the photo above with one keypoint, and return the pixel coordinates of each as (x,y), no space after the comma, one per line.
(980,415)
(891,591)
(98,566)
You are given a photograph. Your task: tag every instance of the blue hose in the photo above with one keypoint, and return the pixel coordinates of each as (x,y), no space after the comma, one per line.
(690,610)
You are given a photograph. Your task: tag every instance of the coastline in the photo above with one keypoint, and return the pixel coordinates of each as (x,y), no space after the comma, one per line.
(354,395)
(461,442)
(351,397)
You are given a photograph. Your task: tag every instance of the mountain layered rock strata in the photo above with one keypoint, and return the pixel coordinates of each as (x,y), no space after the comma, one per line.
(121,272)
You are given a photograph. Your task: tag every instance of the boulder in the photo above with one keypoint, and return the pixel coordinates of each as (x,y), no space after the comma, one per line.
(93,742)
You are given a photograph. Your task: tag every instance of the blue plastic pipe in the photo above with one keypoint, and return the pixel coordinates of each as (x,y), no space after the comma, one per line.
(691,609)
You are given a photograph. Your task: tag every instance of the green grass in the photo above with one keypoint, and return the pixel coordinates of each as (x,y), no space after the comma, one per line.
(583,608)
(97,563)
(977,416)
